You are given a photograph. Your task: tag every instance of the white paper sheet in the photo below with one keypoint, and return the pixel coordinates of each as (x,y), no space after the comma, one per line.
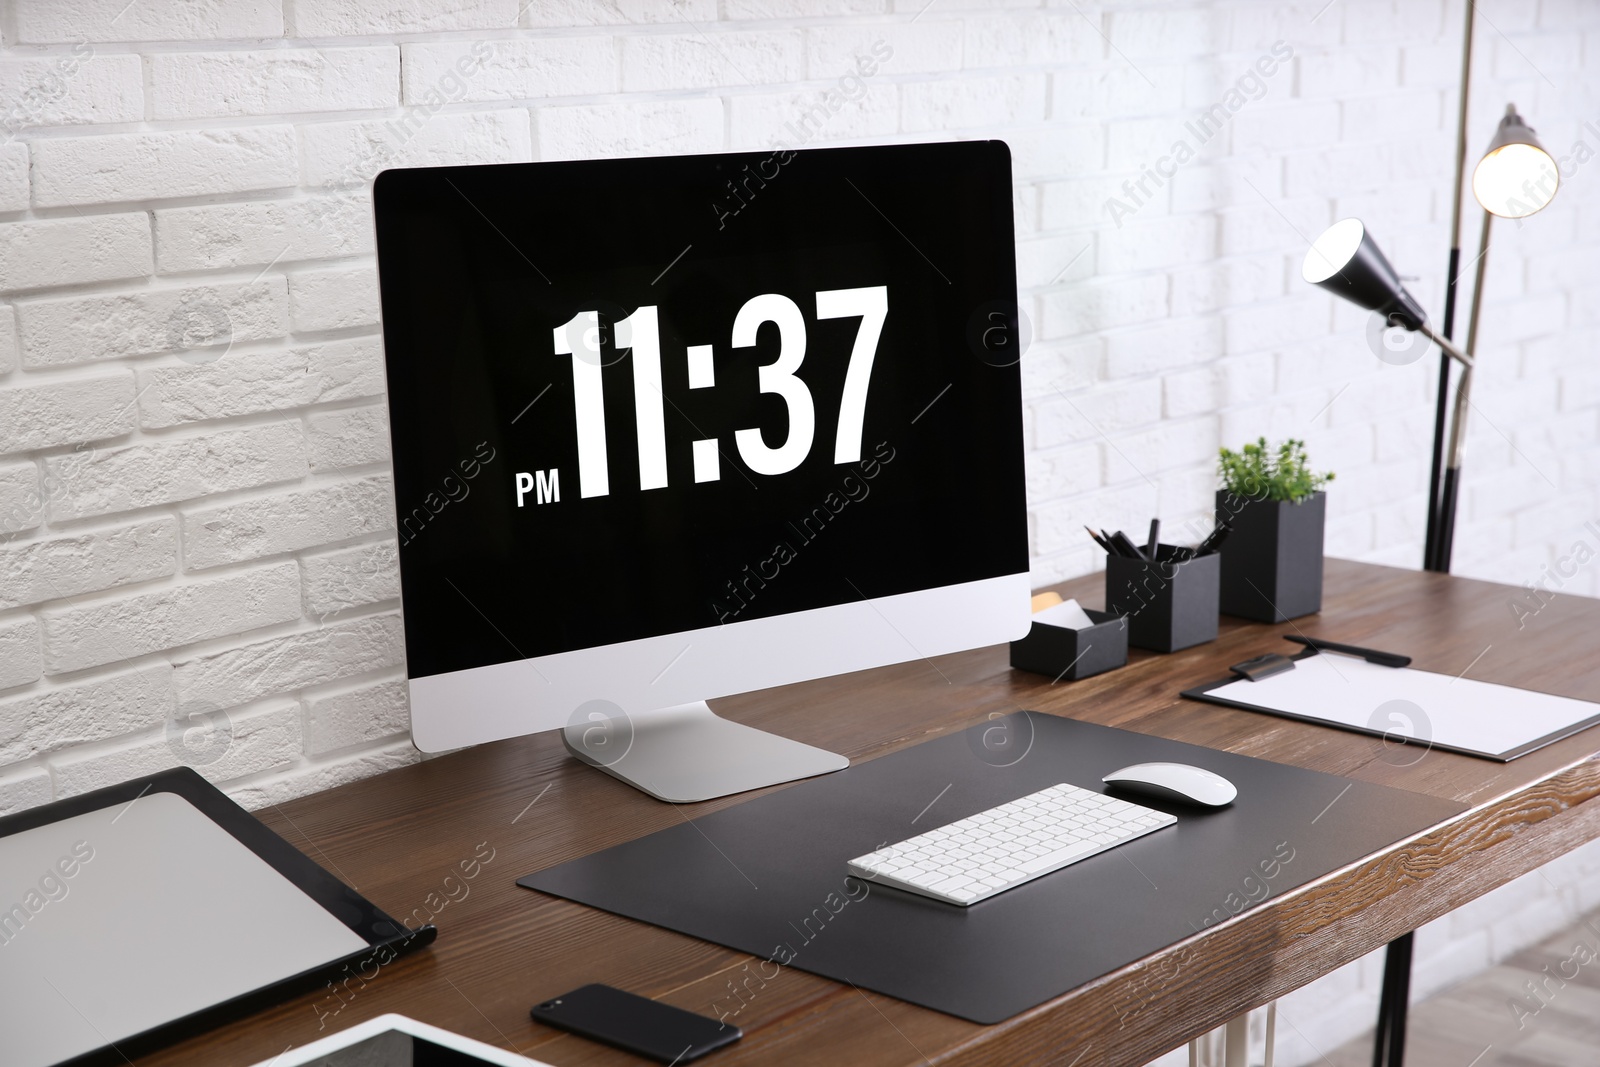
(1066,614)
(1448,712)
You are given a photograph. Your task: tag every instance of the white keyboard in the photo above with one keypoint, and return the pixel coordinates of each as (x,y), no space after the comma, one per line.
(974,858)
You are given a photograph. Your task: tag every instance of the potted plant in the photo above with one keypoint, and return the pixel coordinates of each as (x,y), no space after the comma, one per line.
(1274,507)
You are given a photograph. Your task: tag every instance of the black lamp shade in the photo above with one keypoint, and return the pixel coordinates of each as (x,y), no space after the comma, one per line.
(1346,261)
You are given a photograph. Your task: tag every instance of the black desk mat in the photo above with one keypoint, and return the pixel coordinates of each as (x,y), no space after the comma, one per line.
(768,877)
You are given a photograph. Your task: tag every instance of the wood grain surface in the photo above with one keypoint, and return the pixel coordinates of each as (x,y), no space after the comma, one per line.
(399,836)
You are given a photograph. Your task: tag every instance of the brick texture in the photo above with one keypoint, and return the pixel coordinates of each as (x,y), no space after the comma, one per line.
(21,502)
(69,251)
(85,711)
(89,633)
(61,413)
(287,521)
(77,329)
(21,656)
(168,469)
(279,81)
(159,166)
(67,564)
(238,383)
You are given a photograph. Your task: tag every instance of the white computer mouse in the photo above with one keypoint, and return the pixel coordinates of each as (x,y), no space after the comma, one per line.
(1177,781)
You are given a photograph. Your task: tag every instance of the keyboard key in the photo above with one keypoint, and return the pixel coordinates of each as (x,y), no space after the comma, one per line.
(1051,860)
(960,881)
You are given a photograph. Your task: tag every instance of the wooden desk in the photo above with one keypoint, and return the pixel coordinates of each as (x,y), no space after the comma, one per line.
(398,836)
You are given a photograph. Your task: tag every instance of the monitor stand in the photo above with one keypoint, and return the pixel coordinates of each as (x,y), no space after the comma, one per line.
(690,753)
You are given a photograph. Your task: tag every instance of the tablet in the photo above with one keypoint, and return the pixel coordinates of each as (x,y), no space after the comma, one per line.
(396,1041)
(143,913)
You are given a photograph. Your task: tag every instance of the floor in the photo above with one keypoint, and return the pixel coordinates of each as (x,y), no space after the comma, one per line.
(1494,1019)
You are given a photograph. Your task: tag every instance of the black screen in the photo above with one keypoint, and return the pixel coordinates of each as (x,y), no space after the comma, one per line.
(638,1024)
(480,268)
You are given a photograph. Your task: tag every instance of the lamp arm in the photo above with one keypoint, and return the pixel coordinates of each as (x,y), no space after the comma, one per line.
(1461,130)
(1477,284)
(1458,420)
(1451,487)
(1450,348)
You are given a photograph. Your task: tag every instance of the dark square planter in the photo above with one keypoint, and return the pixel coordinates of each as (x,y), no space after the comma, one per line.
(1168,605)
(1066,654)
(1272,558)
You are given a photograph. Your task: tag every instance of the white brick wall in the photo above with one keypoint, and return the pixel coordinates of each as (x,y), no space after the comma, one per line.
(194,500)
(35,253)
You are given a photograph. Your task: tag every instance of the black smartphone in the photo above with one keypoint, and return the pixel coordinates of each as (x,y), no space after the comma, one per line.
(636,1024)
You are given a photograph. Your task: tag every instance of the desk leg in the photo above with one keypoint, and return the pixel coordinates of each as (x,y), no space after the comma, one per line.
(1389,1045)
(1236,1042)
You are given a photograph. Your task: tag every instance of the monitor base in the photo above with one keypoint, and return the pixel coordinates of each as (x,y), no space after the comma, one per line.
(690,753)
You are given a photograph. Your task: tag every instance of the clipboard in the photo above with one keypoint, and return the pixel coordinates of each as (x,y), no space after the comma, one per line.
(1405,705)
(143,913)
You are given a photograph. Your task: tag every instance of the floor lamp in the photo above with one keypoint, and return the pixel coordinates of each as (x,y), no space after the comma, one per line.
(1515,178)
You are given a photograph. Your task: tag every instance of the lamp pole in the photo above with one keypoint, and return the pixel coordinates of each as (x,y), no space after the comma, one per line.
(1458,433)
(1436,545)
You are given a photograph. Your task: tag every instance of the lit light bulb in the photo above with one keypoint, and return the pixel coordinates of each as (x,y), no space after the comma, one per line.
(1516,176)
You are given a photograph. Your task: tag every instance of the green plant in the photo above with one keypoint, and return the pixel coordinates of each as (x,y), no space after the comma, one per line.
(1259,472)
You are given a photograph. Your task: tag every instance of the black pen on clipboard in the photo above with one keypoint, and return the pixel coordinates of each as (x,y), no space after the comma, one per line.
(1371,655)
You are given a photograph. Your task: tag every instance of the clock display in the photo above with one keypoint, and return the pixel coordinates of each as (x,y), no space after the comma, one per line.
(583,339)
(696,425)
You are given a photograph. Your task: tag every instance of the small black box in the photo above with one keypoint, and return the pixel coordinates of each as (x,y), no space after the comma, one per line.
(1066,654)
(1168,605)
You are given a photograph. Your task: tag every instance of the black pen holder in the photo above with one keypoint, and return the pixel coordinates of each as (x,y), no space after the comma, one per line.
(1066,654)
(1168,604)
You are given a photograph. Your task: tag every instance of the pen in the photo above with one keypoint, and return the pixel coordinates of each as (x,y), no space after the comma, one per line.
(1101,541)
(1155,538)
(1382,659)
(1127,547)
(1213,540)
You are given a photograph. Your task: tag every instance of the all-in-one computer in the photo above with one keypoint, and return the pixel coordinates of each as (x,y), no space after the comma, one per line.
(668,429)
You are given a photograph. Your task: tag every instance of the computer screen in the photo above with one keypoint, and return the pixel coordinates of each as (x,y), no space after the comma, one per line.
(639,405)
